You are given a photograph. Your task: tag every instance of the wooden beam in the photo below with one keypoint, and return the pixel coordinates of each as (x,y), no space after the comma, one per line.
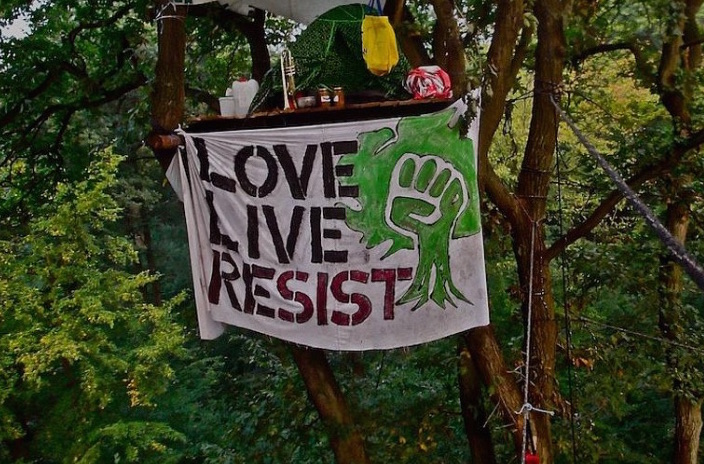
(167,142)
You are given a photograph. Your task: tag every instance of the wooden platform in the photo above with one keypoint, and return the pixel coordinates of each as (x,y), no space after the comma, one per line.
(318,115)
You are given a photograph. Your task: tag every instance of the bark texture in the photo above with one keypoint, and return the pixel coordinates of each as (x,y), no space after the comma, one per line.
(678,58)
(688,429)
(529,232)
(687,407)
(168,93)
(447,45)
(473,412)
(489,361)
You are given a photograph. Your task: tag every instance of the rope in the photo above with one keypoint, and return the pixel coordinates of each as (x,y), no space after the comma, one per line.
(679,253)
(161,15)
(527,407)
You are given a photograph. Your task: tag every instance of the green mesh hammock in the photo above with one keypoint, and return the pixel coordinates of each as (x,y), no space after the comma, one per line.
(329,53)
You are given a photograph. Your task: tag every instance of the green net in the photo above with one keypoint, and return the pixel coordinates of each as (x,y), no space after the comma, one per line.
(329,53)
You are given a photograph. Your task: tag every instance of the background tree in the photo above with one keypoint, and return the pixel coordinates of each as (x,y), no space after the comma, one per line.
(80,81)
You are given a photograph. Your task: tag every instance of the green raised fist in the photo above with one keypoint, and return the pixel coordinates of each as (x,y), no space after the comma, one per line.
(426,197)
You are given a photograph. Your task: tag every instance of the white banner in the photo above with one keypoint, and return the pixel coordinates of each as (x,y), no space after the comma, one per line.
(348,236)
(302,11)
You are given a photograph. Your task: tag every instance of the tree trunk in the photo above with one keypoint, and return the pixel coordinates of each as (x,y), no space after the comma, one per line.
(169,94)
(688,429)
(500,74)
(502,60)
(543,332)
(448,48)
(346,441)
(410,42)
(473,411)
(528,232)
(256,38)
(688,413)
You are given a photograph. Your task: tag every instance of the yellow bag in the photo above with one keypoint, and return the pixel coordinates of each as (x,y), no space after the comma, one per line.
(379,44)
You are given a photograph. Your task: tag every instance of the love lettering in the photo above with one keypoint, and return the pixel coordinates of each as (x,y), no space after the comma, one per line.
(276,165)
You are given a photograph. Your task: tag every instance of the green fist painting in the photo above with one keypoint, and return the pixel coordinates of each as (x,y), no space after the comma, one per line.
(419,195)
(427,198)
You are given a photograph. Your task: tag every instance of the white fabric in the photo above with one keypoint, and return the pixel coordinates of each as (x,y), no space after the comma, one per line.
(302,11)
(355,302)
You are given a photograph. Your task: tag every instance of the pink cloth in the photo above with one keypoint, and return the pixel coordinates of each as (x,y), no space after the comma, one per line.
(428,82)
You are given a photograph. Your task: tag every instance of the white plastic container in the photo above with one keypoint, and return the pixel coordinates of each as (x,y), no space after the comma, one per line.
(243,92)
(227,106)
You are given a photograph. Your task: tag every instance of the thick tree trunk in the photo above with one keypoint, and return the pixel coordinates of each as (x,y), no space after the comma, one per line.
(256,38)
(680,59)
(688,429)
(688,411)
(543,333)
(504,57)
(528,232)
(169,94)
(346,441)
(473,411)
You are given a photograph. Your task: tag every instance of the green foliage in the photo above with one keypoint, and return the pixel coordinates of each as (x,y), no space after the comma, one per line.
(79,343)
(92,370)
(417,390)
(133,442)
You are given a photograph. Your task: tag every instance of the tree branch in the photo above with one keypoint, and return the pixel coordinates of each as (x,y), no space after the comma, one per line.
(50,78)
(121,12)
(522,49)
(252,28)
(204,96)
(499,78)
(607,205)
(55,70)
(89,101)
(646,174)
(641,64)
(410,41)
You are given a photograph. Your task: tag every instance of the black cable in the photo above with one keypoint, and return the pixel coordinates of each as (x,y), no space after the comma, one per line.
(568,325)
(691,348)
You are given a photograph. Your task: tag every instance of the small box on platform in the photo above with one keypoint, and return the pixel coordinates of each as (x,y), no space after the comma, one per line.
(227,106)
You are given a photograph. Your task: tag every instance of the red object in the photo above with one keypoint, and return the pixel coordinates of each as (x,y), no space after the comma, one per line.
(532,458)
(428,82)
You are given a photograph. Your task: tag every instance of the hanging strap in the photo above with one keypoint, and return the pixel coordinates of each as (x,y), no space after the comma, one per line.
(375,6)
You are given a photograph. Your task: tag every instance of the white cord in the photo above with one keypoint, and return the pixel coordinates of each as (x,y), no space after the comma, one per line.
(527,407)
